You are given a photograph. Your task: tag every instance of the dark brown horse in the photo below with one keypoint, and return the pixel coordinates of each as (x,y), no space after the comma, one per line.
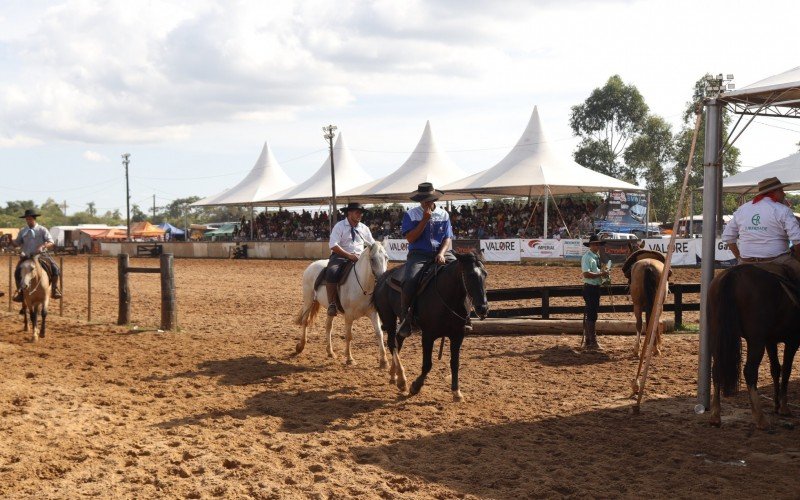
(757,303)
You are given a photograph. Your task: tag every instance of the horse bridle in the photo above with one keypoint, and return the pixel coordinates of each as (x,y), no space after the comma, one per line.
(35,260)
(466,292)
(355,273)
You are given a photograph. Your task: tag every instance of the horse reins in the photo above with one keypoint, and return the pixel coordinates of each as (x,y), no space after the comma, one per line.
(355,272)
(466,293)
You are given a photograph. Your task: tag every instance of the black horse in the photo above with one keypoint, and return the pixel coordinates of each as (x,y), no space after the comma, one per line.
(442,310)
(750,301)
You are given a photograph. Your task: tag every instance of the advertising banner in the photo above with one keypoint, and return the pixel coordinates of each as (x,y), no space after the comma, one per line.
(573,249)
(397,249)
(542,249)
(506,250)
(466,246)
(722,253)
(686,249)
(625,209)
(617,251)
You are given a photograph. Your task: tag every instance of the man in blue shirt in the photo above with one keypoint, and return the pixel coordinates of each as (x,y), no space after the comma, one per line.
(592,279)
(429,234)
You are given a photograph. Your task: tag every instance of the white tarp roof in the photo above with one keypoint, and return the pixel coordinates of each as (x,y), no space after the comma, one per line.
(317,188)
(427,163)
(265,178)
(786,169)
(775,90)
(530,167)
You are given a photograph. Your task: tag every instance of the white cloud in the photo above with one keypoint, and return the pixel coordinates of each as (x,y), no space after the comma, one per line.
(94,156)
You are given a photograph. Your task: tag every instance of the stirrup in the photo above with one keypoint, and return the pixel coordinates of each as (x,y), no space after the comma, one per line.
(404,330)
(332,311)
(17,296)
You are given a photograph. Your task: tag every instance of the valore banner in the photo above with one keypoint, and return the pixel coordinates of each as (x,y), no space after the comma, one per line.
(506,250)
(397,249)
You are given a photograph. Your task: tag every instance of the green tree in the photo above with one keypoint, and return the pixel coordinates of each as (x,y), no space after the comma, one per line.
(650,154)
(90,209)
(610,118)
(137,215)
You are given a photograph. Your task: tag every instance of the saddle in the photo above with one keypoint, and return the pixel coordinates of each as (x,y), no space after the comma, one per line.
(426,274)
(639,255)
(343,272)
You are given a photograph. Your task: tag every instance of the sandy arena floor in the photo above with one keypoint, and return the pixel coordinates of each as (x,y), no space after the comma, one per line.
(222,408)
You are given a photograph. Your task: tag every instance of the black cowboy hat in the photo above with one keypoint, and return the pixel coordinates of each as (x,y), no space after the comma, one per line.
(30,213)
(594,239)
(425,192)
(770,184)
(353,205)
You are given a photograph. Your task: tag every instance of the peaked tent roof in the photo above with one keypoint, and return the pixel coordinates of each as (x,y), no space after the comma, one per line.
(265,178)
(175,231)
(427,163)
(146,230)
(531,167)
(317,188)
(786,169)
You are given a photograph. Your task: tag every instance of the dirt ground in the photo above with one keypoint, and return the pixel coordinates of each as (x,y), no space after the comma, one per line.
(222,408)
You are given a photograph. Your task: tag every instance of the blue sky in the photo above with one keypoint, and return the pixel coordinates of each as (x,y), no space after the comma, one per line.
(191,89)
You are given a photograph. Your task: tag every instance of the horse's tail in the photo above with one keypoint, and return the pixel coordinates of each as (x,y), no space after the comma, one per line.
(307,315)
(725,332)
(651,281)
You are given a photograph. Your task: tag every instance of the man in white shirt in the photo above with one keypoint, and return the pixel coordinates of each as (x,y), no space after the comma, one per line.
(347,241)
(761,230)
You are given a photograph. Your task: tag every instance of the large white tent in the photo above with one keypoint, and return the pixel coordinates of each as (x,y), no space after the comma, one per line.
(317,188)
(531,168)
(265,178)
(777,95)
(786,169)
(427,163)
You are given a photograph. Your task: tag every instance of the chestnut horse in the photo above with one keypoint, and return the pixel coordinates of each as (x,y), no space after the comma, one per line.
(758,302)
(35,284)
(644,269)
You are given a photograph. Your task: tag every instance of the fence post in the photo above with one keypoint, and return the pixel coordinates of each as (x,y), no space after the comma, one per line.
(169,317)
(546,303)
(10,274)
(61,300)
(124,314)
(89,291)
(678,293)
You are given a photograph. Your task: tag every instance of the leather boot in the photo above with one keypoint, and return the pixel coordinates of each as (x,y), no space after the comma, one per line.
(55,291)
(18,295)
(591,337)
(331,288)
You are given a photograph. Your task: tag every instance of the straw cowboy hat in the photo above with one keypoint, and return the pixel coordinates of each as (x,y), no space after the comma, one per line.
(30,213)
(425,192)
(353,205)
(770,184)
(594,239)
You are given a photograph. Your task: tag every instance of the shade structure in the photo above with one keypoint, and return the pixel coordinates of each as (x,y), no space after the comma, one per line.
(169,228)
(531,168)
(427,163)
(317,188)
(146,230)
(777,95)
(786,169)
(265,178)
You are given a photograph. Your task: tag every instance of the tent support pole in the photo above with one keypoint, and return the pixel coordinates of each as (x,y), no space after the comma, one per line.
(647,217)
(712,162)
(691,213)
(252,220)
(546,203)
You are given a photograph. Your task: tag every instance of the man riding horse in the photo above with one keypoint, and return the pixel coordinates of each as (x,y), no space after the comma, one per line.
(760,230)
(429,234)
(346,242)
(35,239)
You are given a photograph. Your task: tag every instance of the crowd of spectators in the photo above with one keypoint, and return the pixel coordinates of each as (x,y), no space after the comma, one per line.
(567,217)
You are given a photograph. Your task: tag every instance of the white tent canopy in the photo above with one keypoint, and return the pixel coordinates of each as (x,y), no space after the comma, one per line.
(265,178)
(531,168)
(777,95)
(317,188)
(427,163)
(786,169)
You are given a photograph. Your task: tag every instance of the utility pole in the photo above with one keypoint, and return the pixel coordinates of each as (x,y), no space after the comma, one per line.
(125,161)
(154,208)
(65,207)
(330,133)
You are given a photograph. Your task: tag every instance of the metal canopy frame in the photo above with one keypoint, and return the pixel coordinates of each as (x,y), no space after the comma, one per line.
(781,101)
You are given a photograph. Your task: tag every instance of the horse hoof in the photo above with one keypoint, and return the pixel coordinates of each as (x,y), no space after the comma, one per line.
(392,380)
(785,412)
(350,362)
(299,348)
(402,386)
(715,422)
(383,364)
(330,354)
(414,389)
(458,397)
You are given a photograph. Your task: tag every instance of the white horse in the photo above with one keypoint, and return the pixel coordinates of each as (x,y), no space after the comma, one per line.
(355,294)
